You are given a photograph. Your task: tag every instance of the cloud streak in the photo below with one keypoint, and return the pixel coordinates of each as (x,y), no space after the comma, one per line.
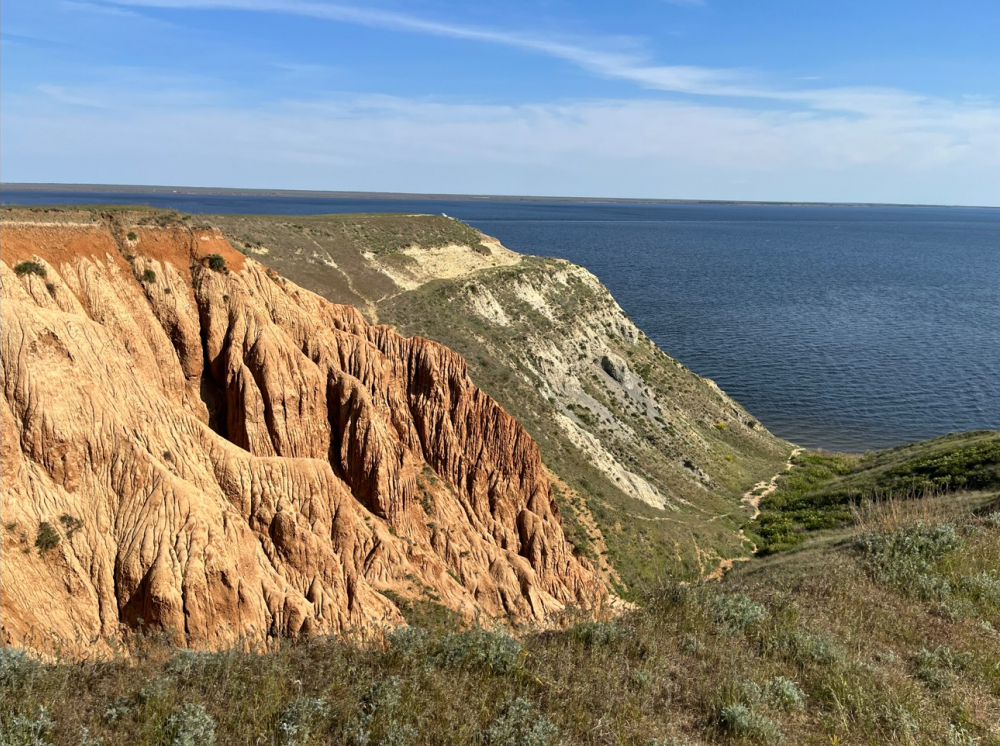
(597,56)
(598,148)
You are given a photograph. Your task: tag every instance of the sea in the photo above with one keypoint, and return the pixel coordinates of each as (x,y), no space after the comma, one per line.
(846,328)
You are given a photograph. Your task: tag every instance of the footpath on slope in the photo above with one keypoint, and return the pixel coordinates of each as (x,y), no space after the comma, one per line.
(753,498)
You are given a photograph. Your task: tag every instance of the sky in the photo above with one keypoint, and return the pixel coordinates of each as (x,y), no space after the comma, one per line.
(854,101)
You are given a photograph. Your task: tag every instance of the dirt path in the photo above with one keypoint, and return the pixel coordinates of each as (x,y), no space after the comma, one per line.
(752,498)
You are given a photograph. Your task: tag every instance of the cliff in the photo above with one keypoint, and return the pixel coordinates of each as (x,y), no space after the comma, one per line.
(192,442)
(650,460)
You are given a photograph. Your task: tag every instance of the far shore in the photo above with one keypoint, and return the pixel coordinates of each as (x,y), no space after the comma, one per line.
(226,191)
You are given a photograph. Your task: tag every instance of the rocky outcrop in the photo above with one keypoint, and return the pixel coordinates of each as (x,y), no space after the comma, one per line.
(650,459)
(191,442)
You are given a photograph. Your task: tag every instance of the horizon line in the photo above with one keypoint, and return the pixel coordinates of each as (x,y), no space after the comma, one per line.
(435,196)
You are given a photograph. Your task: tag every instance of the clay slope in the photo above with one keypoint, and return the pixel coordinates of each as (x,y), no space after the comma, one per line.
(223,454)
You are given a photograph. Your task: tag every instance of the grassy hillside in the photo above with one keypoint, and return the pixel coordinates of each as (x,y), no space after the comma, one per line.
(823,490)
(696,448)
(889,637)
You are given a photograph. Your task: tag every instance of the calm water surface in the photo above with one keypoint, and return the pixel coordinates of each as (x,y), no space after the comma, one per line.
(840,327)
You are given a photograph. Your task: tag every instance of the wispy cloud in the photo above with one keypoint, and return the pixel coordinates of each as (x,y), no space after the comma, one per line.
(919,152)
(600,56)
(597,55)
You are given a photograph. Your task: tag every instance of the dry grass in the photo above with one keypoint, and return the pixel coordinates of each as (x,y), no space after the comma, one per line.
(818,650)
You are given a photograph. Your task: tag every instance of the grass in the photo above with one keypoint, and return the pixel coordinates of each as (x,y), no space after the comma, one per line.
(821,489)
(782,654)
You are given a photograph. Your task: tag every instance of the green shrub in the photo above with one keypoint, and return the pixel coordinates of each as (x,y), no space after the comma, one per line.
(23,730)
(70,524)
(738,611)
(148,276)
(739,721)
(784,693)
(904,557)
(520,724)
(192,726)
(480,649)
(593,634)
(301,718)
(29,268)
(15,667)
(215,262)
(47,537)
(131,236)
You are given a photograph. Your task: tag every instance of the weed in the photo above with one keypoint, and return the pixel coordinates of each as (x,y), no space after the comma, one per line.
(481,649)
(521,724)
(592,634)
(983,587)
(301,718)
(192,726)
(24,730)
(784,693)
(738,611)
(15,667)
(88,740)
(740,721)
(215,262)
(70,524)
(904,557)
(29,268)
(379,720)
(959,736)
(47,538)
(816,648)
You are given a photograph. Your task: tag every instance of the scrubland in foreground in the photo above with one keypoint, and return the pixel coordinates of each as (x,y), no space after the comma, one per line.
(887,636)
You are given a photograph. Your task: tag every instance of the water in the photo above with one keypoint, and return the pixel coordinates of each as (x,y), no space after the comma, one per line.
(839,327)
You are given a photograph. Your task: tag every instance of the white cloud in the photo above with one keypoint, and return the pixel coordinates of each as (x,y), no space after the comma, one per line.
(740,139)
(600,56)
(916,152)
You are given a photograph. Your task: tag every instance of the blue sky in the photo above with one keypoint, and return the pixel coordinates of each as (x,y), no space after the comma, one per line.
(885,101)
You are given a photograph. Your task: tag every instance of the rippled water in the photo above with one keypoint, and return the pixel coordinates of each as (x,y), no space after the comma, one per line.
(839,327)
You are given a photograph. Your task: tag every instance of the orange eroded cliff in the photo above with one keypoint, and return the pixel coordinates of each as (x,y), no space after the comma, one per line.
(225,455)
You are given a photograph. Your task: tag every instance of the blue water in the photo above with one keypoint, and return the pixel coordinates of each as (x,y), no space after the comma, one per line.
(839,327)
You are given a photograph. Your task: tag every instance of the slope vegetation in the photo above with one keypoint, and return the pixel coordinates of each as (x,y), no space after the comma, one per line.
(889,638)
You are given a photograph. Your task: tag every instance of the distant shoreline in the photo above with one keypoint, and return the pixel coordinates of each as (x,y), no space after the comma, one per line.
(222,191)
